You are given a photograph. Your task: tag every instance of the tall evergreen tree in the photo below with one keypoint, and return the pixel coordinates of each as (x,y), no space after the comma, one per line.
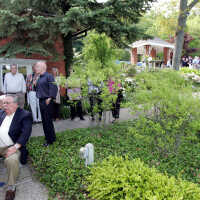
(33,26)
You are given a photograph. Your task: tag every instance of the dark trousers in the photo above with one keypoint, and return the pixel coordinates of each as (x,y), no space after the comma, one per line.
(95,100)
(116,105)
(47,122)
(76,109)
(56,110)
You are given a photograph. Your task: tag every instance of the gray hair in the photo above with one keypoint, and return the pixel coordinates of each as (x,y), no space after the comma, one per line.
(14,97)
(56,70)
(42,64)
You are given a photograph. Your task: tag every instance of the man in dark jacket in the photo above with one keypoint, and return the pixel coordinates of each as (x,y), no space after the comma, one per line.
(15,130)
(46,91)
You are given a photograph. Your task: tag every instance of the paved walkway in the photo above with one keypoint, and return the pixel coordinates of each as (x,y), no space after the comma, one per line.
(63,125)
(28,188)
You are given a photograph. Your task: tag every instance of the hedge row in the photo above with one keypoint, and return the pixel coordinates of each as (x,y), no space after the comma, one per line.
(118,178)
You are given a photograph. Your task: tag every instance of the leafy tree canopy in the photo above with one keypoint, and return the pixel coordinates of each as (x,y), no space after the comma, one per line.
(34,25)
(161,20)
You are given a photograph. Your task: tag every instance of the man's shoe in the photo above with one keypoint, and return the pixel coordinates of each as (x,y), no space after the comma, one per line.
(113,121)
(10,194)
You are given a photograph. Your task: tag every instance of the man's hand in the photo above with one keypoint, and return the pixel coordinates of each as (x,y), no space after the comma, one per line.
(48,101)
(11,150)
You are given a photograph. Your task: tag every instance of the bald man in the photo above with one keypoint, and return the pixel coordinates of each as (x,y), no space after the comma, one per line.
(46,91)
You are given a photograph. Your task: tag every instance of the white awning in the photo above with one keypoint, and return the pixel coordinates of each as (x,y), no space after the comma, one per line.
(156,42)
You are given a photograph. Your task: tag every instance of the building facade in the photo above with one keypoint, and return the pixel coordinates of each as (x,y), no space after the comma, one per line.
(25,64)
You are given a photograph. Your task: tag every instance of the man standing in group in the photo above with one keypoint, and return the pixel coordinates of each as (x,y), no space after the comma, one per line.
(31,95)
(46,91)
(14,83)
(15,130)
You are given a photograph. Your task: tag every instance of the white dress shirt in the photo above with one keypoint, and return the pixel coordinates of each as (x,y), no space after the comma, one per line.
(5,139)
(14,83)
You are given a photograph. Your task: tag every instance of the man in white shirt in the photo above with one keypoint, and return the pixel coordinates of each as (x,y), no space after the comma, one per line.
(14,83)
(15,130)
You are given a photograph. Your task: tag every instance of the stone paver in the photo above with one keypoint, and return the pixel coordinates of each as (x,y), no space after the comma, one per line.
(28,188)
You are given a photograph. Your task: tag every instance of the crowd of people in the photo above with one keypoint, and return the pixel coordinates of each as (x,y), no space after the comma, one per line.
(16,122)
(187,61)
(15,83)
(42,90)
(192,63)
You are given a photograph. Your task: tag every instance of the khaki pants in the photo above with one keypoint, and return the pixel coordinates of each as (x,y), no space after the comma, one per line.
(12,165)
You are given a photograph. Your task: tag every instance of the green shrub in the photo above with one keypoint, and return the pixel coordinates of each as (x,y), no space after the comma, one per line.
(188,70)
(168,111)
(64,111)
(131,71)
(117,179)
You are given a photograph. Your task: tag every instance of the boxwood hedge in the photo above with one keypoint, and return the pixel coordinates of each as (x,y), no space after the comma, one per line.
(118,178)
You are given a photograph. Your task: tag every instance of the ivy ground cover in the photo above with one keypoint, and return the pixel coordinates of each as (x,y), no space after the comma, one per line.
(62,171)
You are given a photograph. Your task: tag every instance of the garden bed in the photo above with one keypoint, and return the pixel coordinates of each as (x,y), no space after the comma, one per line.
(62,171)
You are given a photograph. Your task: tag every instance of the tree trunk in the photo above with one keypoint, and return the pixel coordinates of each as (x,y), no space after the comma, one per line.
(180,34)
(68,52)
(67,41)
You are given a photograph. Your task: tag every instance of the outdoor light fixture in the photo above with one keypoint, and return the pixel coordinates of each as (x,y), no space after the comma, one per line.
(87,153)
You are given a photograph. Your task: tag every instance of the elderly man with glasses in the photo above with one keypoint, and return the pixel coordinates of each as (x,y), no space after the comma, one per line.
(14,83)
(15,130)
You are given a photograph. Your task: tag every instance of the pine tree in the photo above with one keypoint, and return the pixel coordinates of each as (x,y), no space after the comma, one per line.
(33,26)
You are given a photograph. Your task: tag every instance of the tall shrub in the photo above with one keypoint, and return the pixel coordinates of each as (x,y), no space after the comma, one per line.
(98,66)
(168,112)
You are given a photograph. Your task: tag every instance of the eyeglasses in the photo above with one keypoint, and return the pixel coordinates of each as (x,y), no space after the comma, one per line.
(7,102)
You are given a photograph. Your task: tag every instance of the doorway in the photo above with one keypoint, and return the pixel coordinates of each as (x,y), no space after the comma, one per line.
(24,66)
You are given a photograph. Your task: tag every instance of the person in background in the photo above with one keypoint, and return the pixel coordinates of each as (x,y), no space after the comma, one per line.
(169,63)
(190,61)
(14,83)
(46,91)
(115,89)
(94,98)
(31,95)
(1,101)
(74,96)
(185,62)
(195,62)
(15,130)
(57,101)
